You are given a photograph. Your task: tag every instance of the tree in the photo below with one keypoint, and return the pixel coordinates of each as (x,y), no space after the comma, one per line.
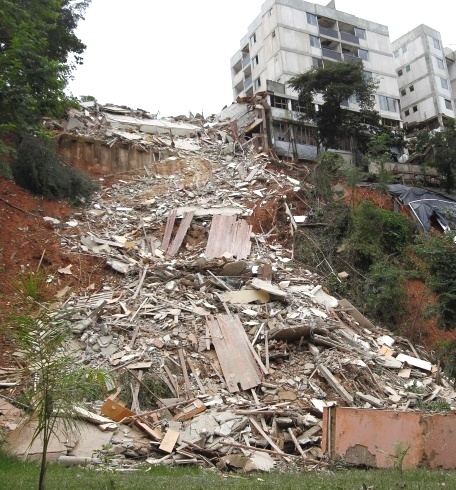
(443,157)
(55,383)
(38,51)
(336,84)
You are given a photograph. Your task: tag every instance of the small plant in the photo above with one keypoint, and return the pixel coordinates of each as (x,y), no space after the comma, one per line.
(32,284)
(440,406)
(399,455)
(54,383)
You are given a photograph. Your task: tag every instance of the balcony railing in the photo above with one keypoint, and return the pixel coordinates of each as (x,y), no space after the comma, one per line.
(351,38)
(247,82)
(246,60)
(329,53)
(326,31)
(352,59)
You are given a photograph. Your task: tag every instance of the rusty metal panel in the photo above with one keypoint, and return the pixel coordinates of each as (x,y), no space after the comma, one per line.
(371,437)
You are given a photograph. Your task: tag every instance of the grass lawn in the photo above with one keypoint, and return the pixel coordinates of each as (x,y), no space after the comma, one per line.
(18,475)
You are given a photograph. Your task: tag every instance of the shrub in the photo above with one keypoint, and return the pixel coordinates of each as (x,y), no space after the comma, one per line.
(41,170)
(439,256)
(385,292)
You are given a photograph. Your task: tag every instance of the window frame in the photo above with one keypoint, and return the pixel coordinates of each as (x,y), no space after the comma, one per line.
(361,55)
(314,21)
(440,62)
(444,83)
(313,40)
(437,44)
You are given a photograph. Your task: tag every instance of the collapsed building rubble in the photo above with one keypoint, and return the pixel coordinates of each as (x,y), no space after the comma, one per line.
(208,299)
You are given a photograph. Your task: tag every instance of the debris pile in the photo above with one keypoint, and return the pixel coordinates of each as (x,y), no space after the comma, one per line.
(210,303)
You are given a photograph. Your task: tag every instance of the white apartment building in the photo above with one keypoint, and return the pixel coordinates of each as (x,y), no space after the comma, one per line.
(290,37)
(423,71)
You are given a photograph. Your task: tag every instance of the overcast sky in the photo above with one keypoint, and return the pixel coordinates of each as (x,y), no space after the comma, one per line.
(173,56)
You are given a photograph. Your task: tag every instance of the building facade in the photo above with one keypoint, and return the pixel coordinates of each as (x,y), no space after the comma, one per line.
(426,77)
(290,37)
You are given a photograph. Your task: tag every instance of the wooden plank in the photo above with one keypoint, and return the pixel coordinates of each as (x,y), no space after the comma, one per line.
(195,373)
(245,296)
(223,354)
(169,441)
(248,374)
(270,288)
(188,388)
(251,348)
(168,229)
(115,411)
(190,410)
(180,235)
(228,235)
(342,392)
(263,433)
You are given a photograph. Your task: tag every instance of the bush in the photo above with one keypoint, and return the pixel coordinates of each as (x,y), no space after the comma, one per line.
(41,170)
(439,255)
(377,233)
(385,293)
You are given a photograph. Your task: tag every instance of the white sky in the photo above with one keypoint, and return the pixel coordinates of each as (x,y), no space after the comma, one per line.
(173,56)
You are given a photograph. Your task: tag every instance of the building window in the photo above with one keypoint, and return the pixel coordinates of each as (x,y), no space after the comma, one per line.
(257,83)
(403,92)
(270,12)
(255,60)
(279,102)
(363,54)
(440,63)
(448,104)
(415,108)
(312,19)
(400,72)
(305,135)
(317,63)
(295,106)
(444,83)
(407,113)
(404,48)
(436,43)
(407,68)
(361,33)
(411,88)
(282,131)
(387,103)
(367,75)
(396,53)
(315,41)
(253,39)
(273,34)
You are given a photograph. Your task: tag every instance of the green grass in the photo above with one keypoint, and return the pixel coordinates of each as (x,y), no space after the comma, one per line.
(18,475)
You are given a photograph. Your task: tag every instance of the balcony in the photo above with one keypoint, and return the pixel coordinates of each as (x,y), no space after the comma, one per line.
(351,38)
(326,31)
(352,59)
(246,60)
(247,82)
(329,53)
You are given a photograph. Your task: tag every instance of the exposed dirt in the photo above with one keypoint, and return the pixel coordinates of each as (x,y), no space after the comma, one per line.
(30,248)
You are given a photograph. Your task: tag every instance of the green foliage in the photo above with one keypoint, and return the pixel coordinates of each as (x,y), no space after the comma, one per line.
(438,149)
(336,83)
(328,164)
(32,284)
(54,381)
(438,405)
(439,255)
(38,50)
(149,384)
(447,356)
(385,292)
(376,234)
(399,454)
(41,170)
